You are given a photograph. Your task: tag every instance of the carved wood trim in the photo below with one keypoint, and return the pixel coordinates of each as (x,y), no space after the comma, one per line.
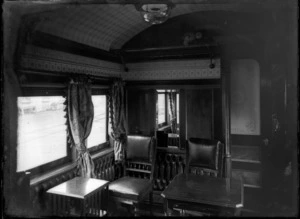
(167,166)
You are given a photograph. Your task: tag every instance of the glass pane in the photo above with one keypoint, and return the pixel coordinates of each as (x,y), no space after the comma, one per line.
(161,108)
(41,131)
(177,108)
(98,133)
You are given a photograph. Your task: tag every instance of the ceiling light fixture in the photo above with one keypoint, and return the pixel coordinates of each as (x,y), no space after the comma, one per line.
(155,12)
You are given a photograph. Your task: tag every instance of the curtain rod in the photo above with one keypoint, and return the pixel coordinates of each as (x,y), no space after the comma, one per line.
(64,74)
(59,85)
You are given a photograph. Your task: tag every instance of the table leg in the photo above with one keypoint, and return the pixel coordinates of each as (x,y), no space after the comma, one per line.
(83,210)
(106,199)
(167,211)
(136,208)
(151,202)
(68,204)
(237,212)
(53,204)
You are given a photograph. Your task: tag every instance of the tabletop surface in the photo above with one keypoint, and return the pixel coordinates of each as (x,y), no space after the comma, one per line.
(78,187)
(205,190)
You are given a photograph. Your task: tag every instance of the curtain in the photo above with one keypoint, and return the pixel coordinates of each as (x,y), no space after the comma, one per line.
(172,111)
(117,118)
(80,120)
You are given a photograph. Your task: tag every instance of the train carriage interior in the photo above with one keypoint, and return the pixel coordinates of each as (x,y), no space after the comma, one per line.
(150,108)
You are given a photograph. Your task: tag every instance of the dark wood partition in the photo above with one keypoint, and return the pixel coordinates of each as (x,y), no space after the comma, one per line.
(199,121)
(141,111)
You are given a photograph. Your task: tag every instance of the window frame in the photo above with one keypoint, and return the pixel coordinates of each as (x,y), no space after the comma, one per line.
(177,110)
(35,92)
(97,148)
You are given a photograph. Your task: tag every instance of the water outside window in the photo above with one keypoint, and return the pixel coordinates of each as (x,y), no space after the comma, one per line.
(98,133)
(41,131)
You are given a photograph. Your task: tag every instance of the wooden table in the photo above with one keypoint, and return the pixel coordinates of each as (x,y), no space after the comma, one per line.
(87,195)
(217,194)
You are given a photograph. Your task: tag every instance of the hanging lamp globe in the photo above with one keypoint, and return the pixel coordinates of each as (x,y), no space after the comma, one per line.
(155,13)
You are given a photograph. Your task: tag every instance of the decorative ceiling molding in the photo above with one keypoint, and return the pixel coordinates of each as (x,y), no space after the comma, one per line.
(45,59)
(173,70)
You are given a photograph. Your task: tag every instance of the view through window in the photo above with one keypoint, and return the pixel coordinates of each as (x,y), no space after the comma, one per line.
(177,108)
(161,108)
(99,131)
(41,131)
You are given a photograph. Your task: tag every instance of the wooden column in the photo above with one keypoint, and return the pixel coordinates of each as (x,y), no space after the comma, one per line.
(225,80)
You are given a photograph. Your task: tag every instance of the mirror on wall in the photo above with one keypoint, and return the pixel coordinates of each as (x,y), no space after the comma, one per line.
(167,118)
(245,97)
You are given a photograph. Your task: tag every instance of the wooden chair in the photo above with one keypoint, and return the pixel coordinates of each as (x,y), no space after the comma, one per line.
(204,157)
(137,183)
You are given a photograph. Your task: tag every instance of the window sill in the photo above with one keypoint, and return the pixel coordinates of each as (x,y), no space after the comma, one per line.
(45,176)
(164,128)
(102,153)
(99,148)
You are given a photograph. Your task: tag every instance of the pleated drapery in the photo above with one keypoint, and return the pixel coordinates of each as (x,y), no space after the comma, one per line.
(172,111)
(80,119)
(117,118)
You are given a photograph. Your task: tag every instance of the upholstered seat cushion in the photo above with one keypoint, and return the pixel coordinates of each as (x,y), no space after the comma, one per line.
(130,188)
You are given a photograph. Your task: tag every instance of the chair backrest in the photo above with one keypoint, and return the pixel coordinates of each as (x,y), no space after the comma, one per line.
(205,157)
(140,156)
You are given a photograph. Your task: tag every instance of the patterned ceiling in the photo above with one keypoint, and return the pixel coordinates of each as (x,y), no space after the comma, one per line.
(107,26)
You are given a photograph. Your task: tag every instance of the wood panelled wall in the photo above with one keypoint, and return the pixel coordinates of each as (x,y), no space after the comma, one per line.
(141,111)
(200,112)
(203,114)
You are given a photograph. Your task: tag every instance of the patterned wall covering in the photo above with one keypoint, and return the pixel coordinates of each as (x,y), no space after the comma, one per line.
(51,60)
(108,26)
(172,70)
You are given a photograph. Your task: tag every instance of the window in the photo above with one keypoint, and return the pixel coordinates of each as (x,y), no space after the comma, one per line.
(41,131)
(98,133)
(177,107)
(161,108)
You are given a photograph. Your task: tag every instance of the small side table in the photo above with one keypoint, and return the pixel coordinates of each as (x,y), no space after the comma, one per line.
(88,195)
